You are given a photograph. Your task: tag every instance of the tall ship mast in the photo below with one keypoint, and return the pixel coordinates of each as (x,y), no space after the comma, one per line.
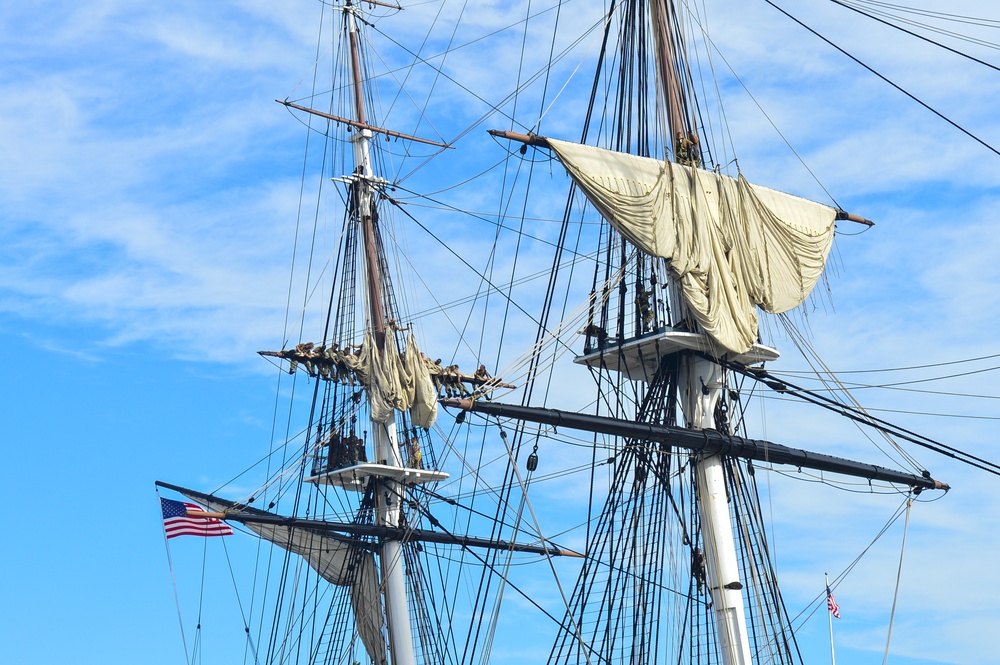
(409,511)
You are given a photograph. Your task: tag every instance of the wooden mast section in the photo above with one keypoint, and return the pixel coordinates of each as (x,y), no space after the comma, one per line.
(685,144)
(389,492)
(363,190)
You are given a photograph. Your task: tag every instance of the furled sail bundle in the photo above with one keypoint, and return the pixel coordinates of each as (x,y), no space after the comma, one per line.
(395,381)
(398,381)
(733,246)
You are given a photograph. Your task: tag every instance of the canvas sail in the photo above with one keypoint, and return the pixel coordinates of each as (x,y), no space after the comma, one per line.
(732,246)
(338,562)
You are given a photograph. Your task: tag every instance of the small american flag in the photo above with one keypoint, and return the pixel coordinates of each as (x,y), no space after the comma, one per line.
(177,523)
(831,604)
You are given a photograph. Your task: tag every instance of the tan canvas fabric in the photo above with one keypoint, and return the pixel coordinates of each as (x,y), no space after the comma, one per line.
(732,246)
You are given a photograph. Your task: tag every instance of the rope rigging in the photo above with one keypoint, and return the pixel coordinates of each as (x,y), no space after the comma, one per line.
(856,414)
(884,78)
(853,5)
(885,370)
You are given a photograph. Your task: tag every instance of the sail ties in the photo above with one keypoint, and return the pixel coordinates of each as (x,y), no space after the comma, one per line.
(732,246)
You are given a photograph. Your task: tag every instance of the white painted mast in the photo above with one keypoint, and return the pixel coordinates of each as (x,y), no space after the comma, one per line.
(384,436)
(701,385)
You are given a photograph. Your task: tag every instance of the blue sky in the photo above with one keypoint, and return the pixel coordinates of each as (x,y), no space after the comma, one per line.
(148,189)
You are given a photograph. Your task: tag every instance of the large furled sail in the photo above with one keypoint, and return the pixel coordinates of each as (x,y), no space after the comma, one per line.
(338,562)
(397,381)
(733,246)
(402,381)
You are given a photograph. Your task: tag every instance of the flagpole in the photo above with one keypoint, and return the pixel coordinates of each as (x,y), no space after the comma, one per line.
(173,582)
(829,617)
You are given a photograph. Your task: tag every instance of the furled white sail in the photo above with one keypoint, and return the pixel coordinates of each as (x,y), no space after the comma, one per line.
(338,562)
(398,381)
(733,246)
(424,403)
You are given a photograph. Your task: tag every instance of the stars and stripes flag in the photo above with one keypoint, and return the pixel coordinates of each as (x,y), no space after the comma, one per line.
(177,523)
(831,604)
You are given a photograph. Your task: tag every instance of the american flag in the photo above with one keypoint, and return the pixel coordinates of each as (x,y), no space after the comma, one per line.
(177,523)
(831,604)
